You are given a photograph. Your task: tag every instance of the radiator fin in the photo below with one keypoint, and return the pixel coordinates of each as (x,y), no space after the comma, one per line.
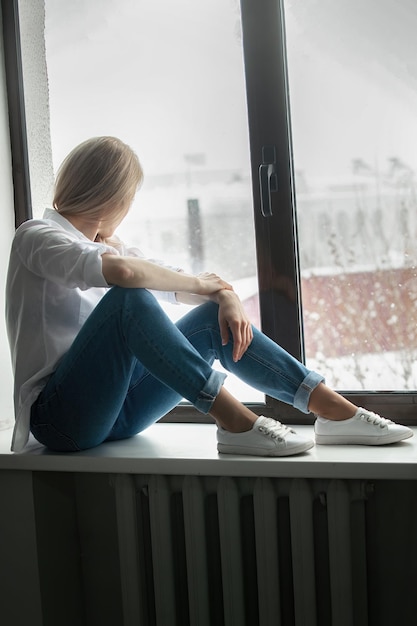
(230,551)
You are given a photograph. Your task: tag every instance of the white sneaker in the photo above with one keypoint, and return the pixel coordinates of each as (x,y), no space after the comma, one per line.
(266,438)
(364,428)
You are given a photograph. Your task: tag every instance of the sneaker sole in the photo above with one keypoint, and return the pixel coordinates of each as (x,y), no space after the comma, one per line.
(302,447)
(361,440)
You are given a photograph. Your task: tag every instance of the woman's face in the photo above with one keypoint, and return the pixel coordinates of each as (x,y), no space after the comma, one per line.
(109,224)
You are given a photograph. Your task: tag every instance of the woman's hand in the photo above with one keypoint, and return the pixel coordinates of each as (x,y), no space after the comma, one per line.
(233,319)
(210,283)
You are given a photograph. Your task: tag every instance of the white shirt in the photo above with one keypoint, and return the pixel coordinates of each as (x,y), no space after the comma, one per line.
(54,281)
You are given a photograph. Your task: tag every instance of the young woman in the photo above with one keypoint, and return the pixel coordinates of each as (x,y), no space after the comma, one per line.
(96,359)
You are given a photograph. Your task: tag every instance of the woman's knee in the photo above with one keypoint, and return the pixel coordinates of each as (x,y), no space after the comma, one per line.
(203,316)
(208,311)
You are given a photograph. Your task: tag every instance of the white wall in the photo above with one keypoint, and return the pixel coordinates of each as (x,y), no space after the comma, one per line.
(35,77)
(6,235)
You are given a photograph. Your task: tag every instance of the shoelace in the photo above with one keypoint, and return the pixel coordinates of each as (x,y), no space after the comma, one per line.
(273,429)
(374,418)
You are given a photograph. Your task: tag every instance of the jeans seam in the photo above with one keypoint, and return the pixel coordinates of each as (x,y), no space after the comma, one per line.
(52,427)
(275,371)
(157,351)
(85,343)
(171,366)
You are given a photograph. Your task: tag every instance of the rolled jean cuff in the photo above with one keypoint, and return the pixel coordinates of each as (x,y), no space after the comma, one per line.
(210,391)
(303,393)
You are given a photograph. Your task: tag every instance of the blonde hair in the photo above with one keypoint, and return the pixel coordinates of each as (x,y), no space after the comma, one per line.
(98,179)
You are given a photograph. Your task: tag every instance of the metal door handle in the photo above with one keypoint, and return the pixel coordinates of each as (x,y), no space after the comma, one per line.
(268,181)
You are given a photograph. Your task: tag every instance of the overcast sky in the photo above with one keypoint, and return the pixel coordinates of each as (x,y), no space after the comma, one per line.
(167,77)
(353,77)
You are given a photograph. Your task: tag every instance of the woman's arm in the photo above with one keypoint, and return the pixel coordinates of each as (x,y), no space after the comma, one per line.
(126,271)
(136,272)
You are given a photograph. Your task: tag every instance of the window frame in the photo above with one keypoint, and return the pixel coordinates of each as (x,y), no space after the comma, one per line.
(269,118)
(16,106)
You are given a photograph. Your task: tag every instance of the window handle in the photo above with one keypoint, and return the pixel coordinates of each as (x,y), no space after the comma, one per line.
(268,181)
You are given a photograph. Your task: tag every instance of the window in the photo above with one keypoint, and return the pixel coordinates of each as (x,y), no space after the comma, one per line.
(213,81)
(353,98)
(168,78)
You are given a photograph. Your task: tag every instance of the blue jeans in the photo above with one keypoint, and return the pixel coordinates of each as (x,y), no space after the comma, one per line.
(129,365)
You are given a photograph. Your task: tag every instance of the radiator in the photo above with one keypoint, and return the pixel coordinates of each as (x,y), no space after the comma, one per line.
(222,551)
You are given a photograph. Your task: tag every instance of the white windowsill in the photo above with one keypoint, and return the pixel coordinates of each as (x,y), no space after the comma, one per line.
(191,449)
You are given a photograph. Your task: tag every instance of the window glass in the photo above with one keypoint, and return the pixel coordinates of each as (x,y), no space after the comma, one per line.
(353,80)
(167,78)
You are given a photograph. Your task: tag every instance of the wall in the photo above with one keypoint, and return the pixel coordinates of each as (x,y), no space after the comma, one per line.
(32,26)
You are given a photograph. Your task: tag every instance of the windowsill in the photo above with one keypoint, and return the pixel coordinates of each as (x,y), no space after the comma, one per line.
(191,449)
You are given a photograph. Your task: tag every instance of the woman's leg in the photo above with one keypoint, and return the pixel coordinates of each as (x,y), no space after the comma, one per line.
(265,365)
(331,405)
(100,378)
(130,365)
(269,368)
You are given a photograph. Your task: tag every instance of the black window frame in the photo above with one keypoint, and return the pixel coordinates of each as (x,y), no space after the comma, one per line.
(276,235)
(16,106)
